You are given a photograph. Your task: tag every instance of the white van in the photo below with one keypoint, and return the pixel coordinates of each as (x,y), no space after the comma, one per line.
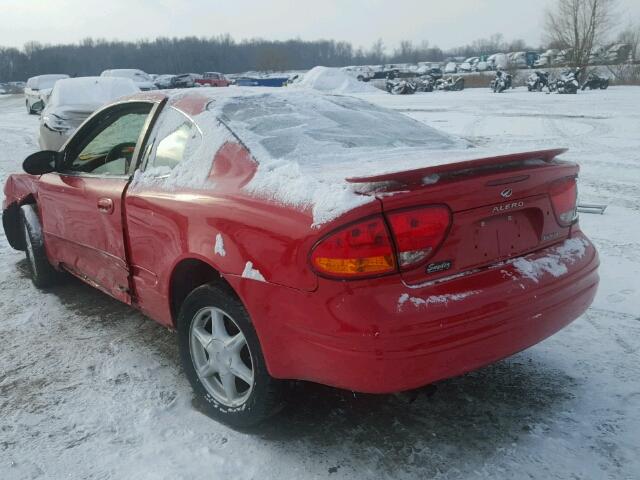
(38,89)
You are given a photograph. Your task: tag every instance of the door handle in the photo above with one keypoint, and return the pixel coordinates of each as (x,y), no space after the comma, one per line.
(105,205)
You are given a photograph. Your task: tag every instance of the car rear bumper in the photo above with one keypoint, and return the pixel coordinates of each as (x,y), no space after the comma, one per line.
(380,336)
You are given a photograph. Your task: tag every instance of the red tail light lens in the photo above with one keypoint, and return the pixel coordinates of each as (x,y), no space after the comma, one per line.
(419,232)
(564,196)
(358,250)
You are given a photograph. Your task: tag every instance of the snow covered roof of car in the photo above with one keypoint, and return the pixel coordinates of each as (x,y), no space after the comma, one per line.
(45,81)
(306,143)
(91,91)
(319,129)
(132,73)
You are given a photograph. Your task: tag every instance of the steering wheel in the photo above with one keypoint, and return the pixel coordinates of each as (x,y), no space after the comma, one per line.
(122,150)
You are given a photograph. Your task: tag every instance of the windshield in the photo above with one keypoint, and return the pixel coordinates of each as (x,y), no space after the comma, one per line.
(301,126)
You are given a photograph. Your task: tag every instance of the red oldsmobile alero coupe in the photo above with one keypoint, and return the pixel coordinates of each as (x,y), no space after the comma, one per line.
(298,235)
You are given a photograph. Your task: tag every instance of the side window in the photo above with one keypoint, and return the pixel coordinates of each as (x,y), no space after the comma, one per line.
(108,144)
(176,136)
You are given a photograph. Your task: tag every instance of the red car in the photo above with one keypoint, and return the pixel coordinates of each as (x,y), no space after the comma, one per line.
(237,218)
(213,79)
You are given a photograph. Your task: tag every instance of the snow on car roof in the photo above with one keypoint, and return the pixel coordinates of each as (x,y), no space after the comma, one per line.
(91,91)
(132,73)
(323,129)
(45,81)
(307,143)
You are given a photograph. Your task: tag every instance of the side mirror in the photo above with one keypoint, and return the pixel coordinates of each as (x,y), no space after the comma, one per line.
(38,106)
(40,163)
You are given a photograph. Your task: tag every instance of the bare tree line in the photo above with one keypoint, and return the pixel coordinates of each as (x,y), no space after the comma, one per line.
(578,25)
(222,53)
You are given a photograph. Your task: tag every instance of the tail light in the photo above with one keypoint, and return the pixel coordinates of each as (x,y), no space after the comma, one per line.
(564,196)
(419,232)
(358,250)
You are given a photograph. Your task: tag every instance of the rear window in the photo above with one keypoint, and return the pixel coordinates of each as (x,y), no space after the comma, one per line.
(304,126)
(174,138)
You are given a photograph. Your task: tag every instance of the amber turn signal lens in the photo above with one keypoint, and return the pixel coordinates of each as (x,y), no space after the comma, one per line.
(350,266)
(358,250)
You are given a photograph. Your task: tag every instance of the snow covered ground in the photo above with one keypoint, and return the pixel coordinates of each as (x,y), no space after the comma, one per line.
(92,389)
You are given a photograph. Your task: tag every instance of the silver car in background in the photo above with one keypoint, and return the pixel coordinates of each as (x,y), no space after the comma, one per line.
(142,80)
(38,89)
(72,101)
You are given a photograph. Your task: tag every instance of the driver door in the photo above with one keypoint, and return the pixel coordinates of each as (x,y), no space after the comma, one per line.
(81,204)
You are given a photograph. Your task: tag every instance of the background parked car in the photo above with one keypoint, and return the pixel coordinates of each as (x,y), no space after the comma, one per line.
(141,79)
(498,60)
(185,80)
(361,73)
(163,81)
(546,59)
(473,62)
(434,72)
(450,67)
(213,79)
(38,90)
(72,101)
(518,59)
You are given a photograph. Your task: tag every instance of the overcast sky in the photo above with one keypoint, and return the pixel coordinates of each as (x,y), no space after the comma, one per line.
(446,23)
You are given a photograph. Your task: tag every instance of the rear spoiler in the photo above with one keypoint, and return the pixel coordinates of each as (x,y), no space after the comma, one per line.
(416,175)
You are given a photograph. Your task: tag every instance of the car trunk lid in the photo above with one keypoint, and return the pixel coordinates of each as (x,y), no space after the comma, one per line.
(500,208)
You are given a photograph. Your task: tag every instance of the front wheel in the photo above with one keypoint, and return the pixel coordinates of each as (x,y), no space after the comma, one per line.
(223,361)
(43,274)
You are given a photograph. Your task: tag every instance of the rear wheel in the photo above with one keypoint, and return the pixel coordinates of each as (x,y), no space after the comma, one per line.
(30,111)
(42,273)
(223,361)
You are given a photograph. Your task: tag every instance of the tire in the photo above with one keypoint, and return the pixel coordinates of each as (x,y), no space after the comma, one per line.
(251,402)
(604,85)
(43,274)
(30,110)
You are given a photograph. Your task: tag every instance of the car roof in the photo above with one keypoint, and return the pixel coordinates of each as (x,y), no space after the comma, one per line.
(90,90)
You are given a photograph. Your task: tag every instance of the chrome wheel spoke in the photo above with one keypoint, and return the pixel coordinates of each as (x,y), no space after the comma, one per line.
(202,336)
(229,386)
(218,329)
(206,370)
(240,370)
(235,343)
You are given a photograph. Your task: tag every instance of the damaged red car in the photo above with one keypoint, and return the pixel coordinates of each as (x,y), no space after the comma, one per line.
(299,235)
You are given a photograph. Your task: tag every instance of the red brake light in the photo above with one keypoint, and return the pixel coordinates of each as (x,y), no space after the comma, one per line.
(358,250)
(419,232)
(564,196)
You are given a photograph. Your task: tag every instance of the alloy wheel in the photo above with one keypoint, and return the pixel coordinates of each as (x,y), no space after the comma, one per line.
(221,356)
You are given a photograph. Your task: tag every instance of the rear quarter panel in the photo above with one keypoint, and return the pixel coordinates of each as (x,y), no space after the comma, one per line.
(167,226)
